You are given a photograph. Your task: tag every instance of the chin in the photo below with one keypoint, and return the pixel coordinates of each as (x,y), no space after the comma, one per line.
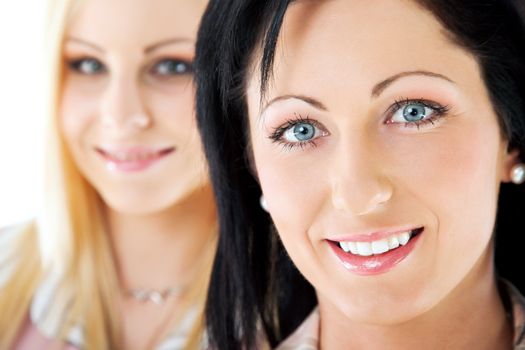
(380,308)
(141,204)
(382,314)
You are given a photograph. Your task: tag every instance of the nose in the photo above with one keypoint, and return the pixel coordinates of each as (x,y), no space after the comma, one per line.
(359,180)
(122,108)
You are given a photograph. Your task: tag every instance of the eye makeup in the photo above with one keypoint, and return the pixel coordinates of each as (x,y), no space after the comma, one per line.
(304,131)
(170,67)
(415,113)
(86,65)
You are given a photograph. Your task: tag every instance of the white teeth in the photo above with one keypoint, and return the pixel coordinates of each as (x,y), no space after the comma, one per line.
(119,156)
(123,157)
(145,156)
(379,247)
(376,247)
(345,246)
(349,247)
(353,247)
(404,238)
(364,248)
(393,242)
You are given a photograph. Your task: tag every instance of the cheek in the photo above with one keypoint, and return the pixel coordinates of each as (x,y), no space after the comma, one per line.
(77,112)
(293,198)
(294,193)
(454,174)
(173,110)
(175,121)
(464,168)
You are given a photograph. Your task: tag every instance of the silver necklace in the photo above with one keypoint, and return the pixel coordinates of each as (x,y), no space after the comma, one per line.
(158,297)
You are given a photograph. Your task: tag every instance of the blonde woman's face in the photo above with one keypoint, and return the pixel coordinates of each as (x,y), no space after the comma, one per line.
(380,157)
(127,108)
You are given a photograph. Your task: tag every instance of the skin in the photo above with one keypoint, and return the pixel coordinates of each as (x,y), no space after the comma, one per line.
(161,218)
(367,171)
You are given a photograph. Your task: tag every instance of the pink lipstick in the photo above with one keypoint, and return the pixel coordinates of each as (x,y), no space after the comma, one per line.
(377,257)
(133,159)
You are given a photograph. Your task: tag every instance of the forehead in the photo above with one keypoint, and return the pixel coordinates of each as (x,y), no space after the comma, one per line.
(353,44)
(114,22)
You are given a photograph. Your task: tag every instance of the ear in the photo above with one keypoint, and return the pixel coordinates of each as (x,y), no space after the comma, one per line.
(511,158)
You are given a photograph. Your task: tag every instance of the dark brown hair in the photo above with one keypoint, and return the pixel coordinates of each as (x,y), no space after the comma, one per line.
(254,283)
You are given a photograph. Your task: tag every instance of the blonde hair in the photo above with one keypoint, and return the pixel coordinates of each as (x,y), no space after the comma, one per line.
(69,237)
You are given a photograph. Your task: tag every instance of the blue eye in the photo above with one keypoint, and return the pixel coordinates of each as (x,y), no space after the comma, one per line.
(412,113)
(300,132)
(87,66)
(170,67)
(416,112)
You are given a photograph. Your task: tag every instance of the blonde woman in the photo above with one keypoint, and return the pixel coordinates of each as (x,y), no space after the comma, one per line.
(121,254)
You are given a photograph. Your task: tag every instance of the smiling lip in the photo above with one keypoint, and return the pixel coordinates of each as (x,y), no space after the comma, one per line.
(375,264)
(132,159)
(372,236)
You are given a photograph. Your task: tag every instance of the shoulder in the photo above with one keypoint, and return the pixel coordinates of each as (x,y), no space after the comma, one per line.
(514,303)
(31,338)
(7,233)
(10,238)
(306,337)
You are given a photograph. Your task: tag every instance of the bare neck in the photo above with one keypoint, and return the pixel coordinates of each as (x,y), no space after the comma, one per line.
(471,317)
(161,250)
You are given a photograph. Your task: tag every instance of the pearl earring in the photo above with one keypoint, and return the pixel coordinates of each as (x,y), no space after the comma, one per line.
(262,202)
(517,173)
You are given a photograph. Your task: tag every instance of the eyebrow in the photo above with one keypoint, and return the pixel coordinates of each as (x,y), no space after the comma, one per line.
(85,43)
(148,49)
(376,90)
(178,40)
(381,86)
(311,101)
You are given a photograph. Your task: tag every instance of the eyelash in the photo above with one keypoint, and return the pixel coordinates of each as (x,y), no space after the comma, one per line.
(277,135)
(175,62)
(76,66)
(438,111)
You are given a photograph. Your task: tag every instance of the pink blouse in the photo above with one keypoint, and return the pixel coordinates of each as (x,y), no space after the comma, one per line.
(30,339)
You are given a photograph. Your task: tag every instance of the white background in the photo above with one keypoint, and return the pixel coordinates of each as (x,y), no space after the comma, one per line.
(21,107)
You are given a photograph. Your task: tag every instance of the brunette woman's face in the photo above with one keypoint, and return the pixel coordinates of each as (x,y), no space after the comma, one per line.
(127,108)
(380,156)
